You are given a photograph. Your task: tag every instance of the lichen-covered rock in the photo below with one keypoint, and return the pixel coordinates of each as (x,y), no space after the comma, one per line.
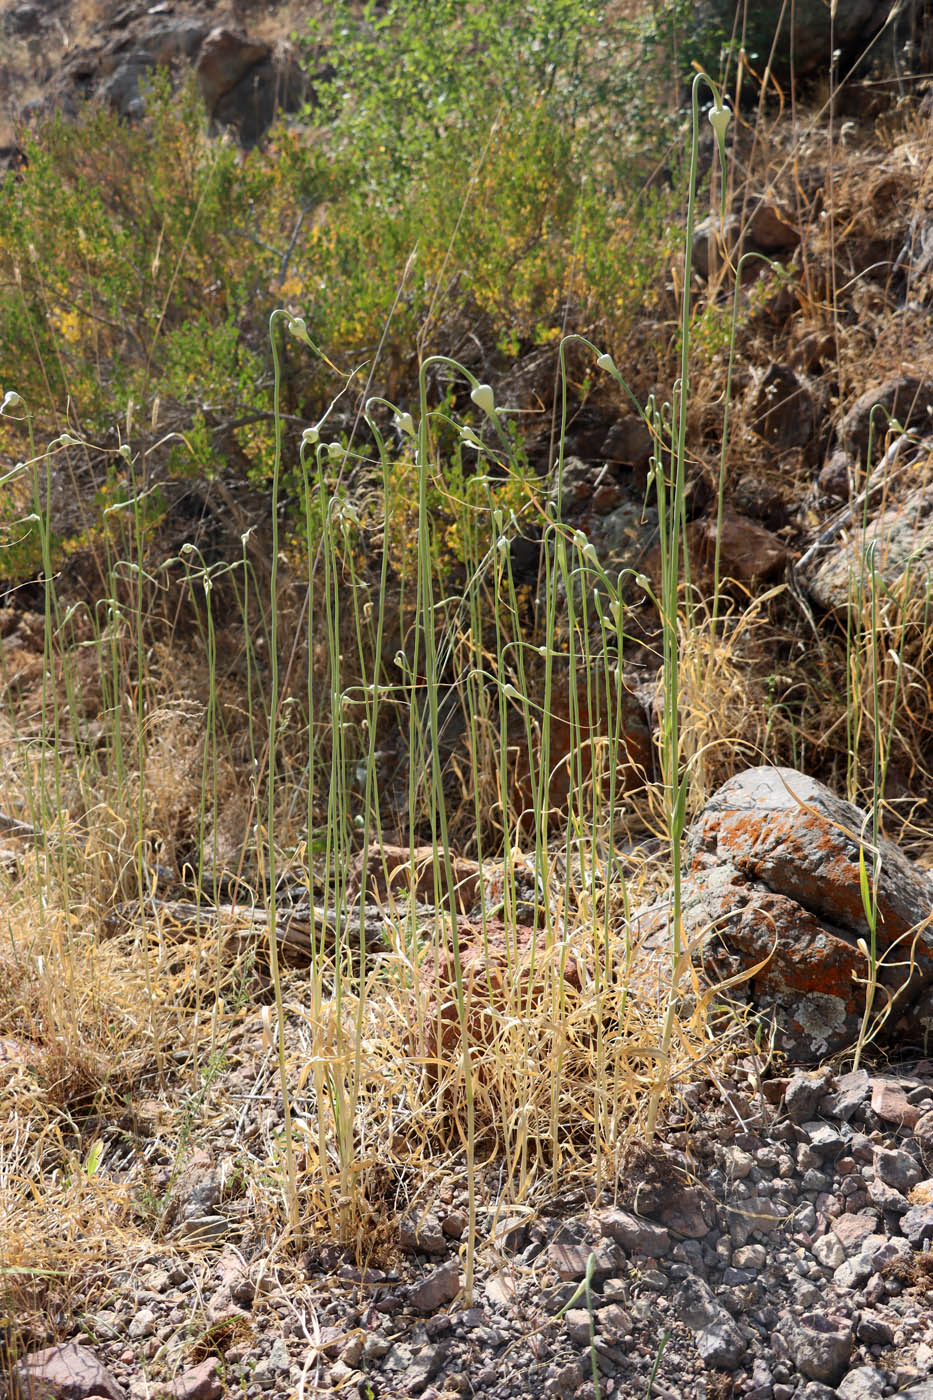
(800,840)
(773,893)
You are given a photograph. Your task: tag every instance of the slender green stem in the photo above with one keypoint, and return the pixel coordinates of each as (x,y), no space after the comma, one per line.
(275,319)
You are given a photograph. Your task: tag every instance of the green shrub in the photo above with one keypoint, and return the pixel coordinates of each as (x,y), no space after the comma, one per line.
(504,147)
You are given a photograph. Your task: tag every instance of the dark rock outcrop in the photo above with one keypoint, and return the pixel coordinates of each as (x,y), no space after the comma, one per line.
(805,43)
(243,81)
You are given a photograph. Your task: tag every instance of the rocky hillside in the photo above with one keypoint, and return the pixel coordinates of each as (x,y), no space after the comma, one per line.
(57,56)
(465,842)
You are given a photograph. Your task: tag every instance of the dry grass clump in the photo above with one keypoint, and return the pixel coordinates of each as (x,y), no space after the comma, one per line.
(82,1029)
(727,694)
(131,1051)
(549,1079)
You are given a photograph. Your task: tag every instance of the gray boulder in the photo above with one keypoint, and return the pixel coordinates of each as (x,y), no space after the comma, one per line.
(900,541)
(865,424)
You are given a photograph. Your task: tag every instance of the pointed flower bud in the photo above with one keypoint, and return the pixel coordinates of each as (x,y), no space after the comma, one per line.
(310,436)
(719,119)
(484,398)
(298,328)
(606,362)
(11,400)
(405,423)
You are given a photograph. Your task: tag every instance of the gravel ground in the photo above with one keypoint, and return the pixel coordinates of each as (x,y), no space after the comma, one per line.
(775,1244)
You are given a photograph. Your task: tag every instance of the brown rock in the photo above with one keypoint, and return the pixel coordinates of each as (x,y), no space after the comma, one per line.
(715,242)
(454,1224)
(836,475)
(784,412)
(202,1382)
(798,39)
(438,1288)
(614,1323)
(65,1372)
(688,1214)
(634,1234)
(171,39)
(251,104)
(502,969)
(580,726)
(923,1129)
(889,1101)
(747,553)
(569,1259)
(579,1325)
(771,228)
(853,1230)
(767,229)
(628,442)
(822,1346)
(813,352)
(226,56)
(751,1214)
(233,1273)
(424,1233)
